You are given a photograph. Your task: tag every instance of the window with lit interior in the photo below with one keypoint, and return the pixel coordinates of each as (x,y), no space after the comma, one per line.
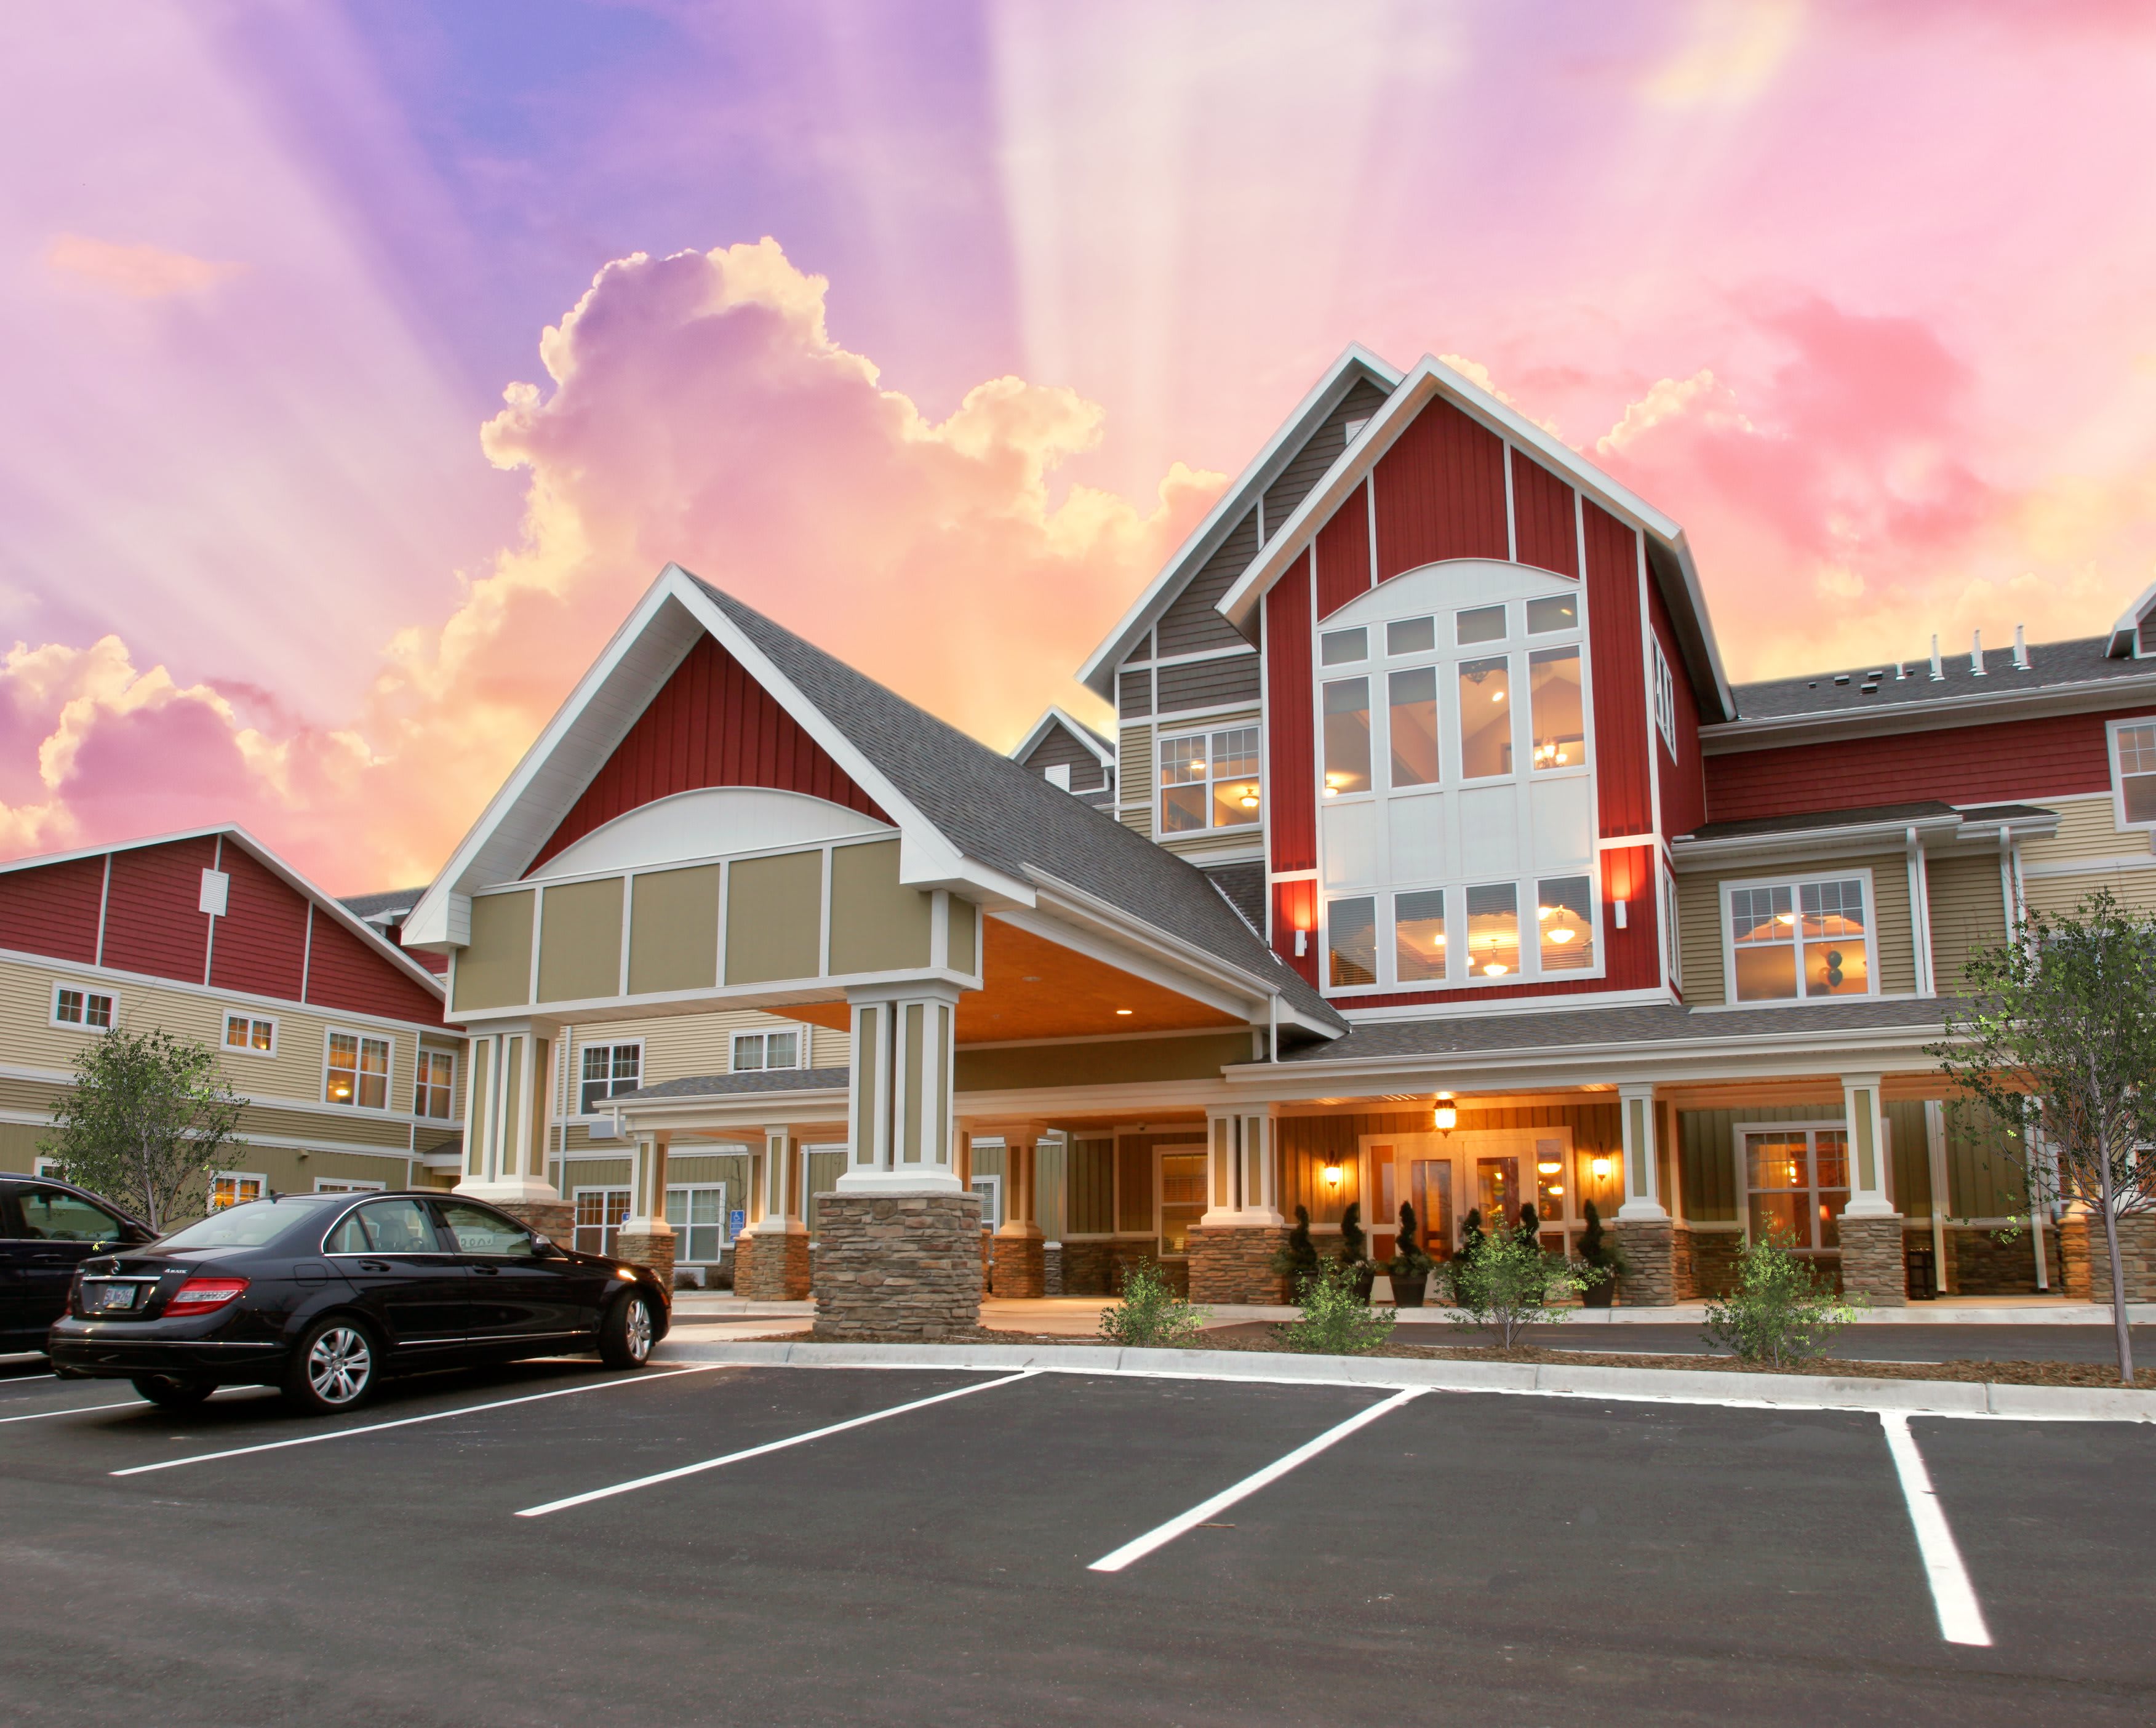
(1210,779)
(432,1092)
(1796,1183)
(358,1072)
(1796,940)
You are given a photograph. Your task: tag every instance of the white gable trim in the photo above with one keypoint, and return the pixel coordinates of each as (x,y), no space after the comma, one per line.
(1355,362)
(1098,748)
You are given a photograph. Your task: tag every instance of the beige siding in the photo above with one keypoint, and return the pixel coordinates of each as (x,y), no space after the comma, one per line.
(1968,912)
(1700,919)
(1699,932)
(1137,777)
(774,918)
(965,937)
(580,941)
(877,923)
(674,930)
(1112,1062)
(680,1046)
(2088,828)
(2057,896)
(494,969)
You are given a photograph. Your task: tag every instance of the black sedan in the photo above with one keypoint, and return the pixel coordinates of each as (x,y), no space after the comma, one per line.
(47,1229)
(322,1294)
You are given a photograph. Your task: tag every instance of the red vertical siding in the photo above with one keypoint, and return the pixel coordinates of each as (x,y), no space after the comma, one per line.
(1683,777)
(1441,493)
(262,938)
(2050,758)
(1295,907)
(1292,762)
(711,724)
(344,972)
(1544,527)
(153,920)
(1621,764)
(53,909)
(1343,554)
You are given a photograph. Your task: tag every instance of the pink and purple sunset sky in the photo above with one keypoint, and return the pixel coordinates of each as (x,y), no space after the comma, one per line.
(370,359)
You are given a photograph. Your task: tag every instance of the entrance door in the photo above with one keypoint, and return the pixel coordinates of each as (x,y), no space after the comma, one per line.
(1182,1197)
(1497,1191)
(1429,1191)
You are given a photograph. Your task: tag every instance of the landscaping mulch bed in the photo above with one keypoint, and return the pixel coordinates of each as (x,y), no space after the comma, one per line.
(1272,1339)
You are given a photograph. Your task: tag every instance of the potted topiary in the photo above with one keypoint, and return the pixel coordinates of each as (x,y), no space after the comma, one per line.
(1354,1252)
(1602,1257)
(1409,1267)
(1297,1258)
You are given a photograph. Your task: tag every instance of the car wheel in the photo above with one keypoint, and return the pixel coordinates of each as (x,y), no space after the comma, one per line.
(173,1391)
(627,1333)
(332,1369)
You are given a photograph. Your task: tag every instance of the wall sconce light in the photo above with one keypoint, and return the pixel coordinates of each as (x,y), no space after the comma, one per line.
(1446,1115)
(1602,1169)
(1302,944)
(1332,1175)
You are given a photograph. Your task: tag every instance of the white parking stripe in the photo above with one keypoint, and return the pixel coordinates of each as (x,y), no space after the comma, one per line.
(79,1410)
(736,1457)
(1961,1616)
(1164,1534)
(406,1421)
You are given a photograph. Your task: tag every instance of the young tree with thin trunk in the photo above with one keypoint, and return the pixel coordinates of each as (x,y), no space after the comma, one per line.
(2055,1041)
(149,1118)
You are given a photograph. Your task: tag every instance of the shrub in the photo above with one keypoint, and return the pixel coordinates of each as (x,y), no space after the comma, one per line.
(1336,1320)
(1508,1283)
(1297,1258)
(1150,1315)
(1529,1228)
(1595,1246)
(1408,1260)
(1781,1311)
(1471,1233)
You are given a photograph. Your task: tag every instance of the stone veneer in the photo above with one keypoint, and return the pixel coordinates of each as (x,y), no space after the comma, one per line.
(1706,1263)
(905,1266)
(1096,1267)
(1051,1269)
(651,1248)
(554,1219)
(1233,1263)
(773,1267)
(1872,1264)
(1021,1267)
(1979,1266)
(2085,1257)
(1649,1246)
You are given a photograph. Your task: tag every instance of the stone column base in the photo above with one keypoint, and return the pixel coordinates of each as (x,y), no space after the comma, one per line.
(2085,1257)
(898,1265)
(1233,1263)
(1872,1265)
(777,1267)
(1650,1249)
(554,1219)
(1021,1266)
(645,1247)
(1051,1269)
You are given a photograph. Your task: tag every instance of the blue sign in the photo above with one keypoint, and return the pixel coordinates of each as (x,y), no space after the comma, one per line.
(735,1220)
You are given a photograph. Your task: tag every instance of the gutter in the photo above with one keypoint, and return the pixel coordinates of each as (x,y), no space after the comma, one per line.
(1977,708)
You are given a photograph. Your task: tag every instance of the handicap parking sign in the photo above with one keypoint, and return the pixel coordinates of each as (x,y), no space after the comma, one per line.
(735,1220)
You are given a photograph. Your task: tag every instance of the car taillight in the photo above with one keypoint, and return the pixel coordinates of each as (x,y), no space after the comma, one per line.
(199,1295)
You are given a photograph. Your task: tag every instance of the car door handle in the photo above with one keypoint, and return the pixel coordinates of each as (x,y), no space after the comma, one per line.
(374,1266)
(488,1271)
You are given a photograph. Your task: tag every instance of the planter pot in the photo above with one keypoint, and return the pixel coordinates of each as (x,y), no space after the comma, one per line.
(1407,1293)
(1601,1295)
(1366,1275)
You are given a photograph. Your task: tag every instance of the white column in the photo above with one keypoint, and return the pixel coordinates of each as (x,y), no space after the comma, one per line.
(507,1113)
(1021,1146)
(1868,1174)
(777,1205)
(899,1120)
(1643,1200)
(1241,1169)
(647,1187)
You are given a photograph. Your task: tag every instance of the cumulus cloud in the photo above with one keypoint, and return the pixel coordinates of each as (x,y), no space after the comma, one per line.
(1701,395)
(138,271)
(1475,373)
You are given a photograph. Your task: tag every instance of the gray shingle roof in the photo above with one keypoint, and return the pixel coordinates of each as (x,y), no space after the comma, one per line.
(757,1080)
(365,906)
(1647,1023)
(1927,810)
(2052,666)
(1006,816)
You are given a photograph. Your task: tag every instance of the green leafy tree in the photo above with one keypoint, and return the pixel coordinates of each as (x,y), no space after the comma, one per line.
(1781,1311)
(2054,1041)
(1150,1315)
(1508,1284)
(149,1118)
(1336,1321)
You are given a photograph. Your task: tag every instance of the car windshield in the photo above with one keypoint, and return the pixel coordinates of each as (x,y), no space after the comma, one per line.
(254,1224)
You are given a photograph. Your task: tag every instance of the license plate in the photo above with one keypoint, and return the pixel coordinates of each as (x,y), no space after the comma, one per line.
(103,1298)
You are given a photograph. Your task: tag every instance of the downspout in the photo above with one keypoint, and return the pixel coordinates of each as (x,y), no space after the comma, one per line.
(1272,1027)
(1920,916)
(1935,1144)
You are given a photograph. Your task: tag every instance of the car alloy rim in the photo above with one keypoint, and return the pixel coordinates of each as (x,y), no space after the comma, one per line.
(339,1364)
(638,1326)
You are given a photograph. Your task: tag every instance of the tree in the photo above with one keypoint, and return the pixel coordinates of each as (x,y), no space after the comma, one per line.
(1510,1284)
(1353,1242)
(2055,1041)
(1781,1311)
(149,1118)
(1297,1258)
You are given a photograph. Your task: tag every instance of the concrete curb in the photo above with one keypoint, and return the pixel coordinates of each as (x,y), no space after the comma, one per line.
(1777,1391)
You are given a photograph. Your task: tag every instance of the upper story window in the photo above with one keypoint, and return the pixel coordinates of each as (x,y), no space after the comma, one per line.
(608,1069)
(86,1009)
(1209,780)
(357,1072)
(2134,772)
(433,1089)
(250,1032)
(1472,934)
(1800,939)
(1665,697)
(788,1049)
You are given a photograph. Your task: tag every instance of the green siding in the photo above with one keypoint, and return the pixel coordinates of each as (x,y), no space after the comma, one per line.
(1091,1187)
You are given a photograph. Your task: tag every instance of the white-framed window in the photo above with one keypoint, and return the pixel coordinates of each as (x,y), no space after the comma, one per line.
(2134,773)
(433,1090)
(51,1167)
(1463,934)
(697,1211)
(1665,697)
(991,1191)
(1795,1182)
(1210,779)
(256,1034)
(606,1070)
(356,1070)
(785,1048)
(347,1184)
(1800,938)
(232,1188)
(1672,949)
(85,1010)
(599,1215)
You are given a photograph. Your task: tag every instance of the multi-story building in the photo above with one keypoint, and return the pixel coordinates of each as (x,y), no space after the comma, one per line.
(332,1033)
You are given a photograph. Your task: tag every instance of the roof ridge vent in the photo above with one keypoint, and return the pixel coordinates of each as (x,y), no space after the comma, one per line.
(1976,656)
(1938,671)
(2021,649)
(1901,671)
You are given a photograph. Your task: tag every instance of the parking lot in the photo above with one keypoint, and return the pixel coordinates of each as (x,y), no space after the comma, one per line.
(1504,1559)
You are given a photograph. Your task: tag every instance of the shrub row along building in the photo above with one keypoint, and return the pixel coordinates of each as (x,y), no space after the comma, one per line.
(1434,859)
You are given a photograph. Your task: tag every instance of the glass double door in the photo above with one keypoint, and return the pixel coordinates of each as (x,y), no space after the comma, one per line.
(1491,1176)
(1491,1186)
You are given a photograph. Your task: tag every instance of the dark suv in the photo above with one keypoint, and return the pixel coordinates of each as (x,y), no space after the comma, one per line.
(47,1228)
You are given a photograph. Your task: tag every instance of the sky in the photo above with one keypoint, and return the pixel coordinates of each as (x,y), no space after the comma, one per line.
(364,362)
